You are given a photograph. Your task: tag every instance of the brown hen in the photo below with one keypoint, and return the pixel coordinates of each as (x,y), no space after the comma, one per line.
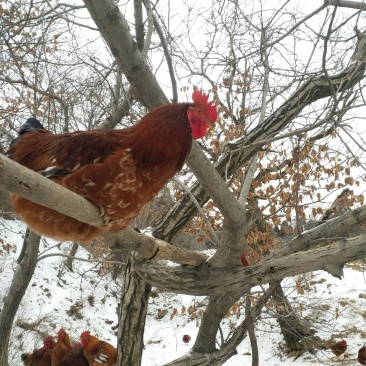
(361,358)
(338,348)
(118,170)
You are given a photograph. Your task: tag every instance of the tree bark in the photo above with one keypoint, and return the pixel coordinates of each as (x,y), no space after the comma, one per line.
(5,207)
(212,317)
(218,358)
(133,310)
(69,261)
(19,285)
(24,247)
(155,249)
(251,333)
(347,4)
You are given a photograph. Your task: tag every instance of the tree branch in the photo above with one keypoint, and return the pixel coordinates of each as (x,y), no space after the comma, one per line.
(199,209)
(346,4)
(19,284)
(154,249)
(168,57)
(115,30)
(139,24)
(206,280)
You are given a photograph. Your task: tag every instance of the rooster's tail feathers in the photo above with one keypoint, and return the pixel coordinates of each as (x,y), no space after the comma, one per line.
(31,125)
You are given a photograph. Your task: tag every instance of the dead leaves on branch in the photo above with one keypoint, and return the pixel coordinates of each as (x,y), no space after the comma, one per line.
(296,178)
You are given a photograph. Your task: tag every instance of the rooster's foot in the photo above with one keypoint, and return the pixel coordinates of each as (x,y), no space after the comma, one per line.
(104,216)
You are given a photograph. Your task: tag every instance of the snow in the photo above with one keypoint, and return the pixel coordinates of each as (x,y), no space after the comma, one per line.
(87,299)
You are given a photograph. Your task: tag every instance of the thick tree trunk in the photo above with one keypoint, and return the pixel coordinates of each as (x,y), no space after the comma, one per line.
(20,282)
(24,246)
(216,309)
(133,310)
(294,330)
(219,357)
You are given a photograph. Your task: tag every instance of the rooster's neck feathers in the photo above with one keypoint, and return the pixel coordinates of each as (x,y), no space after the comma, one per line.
(162,135)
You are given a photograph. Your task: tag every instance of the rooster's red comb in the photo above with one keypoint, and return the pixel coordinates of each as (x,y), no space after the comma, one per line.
(47,343)
(84,337)
(199,97)
(61,333)
(48,339)
(85,334)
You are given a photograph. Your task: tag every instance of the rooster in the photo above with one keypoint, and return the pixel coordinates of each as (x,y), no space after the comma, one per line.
(61,348)
(98,352)
(42,356)
(338,348)
(120,171)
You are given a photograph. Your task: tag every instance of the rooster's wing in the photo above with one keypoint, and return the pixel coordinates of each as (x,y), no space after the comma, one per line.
(40,150)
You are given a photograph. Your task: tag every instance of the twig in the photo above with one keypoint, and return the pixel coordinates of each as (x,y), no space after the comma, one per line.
(76,258)
(199,209)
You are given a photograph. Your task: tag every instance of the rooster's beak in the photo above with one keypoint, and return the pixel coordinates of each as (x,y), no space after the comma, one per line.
(210,125)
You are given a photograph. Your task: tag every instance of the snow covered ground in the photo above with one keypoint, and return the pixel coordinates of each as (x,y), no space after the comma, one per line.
(87,298)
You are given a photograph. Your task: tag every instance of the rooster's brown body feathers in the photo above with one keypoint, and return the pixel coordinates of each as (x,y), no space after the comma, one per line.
(338,348)
(361,357)
(61,348)
(75,357)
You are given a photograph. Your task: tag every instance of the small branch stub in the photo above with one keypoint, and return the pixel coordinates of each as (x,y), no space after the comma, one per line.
(154,249)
